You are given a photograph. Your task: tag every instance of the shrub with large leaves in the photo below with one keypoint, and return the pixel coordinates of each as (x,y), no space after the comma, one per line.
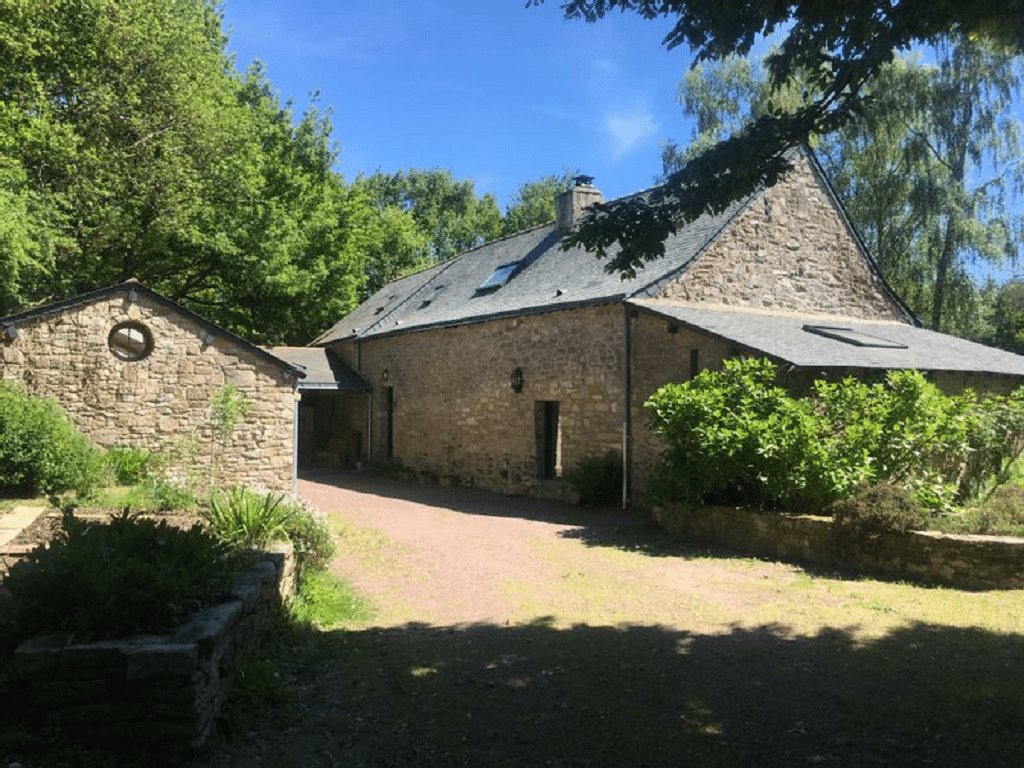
(735,435)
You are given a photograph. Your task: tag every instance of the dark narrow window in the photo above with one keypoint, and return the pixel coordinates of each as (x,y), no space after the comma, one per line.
(694,363)
(549,458)
(389,422)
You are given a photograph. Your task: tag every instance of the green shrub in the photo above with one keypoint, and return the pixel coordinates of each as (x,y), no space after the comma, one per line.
(245,519)
(163,494)
(130,465)
(1001,514)
(597,480)
(127,576)
(879,508)
(735,436)
(311,538)
(40,450)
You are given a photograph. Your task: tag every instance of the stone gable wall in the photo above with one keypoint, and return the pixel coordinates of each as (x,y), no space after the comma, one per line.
(160,403)
(789,250)
(456,416)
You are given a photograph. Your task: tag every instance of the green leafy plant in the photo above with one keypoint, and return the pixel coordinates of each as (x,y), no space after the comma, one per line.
(325,600)
(130,465)
(126,576)
(597,479)
(879,508)
(1001,514)
(40,449)
(311,539)
(736,436)
(245,519)
(228,407)
(165,494)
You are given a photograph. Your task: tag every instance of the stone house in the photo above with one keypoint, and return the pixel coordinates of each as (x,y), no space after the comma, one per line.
(514,360)
(133,368)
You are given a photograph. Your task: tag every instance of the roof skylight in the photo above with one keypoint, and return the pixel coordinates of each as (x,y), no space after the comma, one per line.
(856,338)
(499,277)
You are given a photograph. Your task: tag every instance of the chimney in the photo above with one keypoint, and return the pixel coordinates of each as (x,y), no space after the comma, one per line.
(572,204)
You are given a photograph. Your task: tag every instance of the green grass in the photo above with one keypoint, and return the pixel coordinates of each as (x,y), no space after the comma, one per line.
(326,601)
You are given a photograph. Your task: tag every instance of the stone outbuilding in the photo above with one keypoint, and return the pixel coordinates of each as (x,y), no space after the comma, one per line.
(511,362)
(133,368)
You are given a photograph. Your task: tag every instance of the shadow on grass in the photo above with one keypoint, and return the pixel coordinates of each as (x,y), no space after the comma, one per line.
(536,695)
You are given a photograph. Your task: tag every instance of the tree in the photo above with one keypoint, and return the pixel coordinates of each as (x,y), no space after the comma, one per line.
(534,203)
(925,173)
(1006,316)
(841,46)
(130,147)
(446,210)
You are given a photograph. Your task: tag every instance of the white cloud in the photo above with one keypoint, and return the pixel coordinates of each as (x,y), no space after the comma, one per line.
(628,130)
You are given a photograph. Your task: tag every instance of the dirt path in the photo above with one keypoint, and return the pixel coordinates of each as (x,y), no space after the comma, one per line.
(516,632)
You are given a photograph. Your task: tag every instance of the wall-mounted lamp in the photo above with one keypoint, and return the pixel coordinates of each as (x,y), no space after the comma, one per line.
(208,339)
(517,380)
(10,332)
(133,295)
(384,375)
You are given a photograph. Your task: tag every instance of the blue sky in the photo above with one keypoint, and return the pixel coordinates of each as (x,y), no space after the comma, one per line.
(497,92)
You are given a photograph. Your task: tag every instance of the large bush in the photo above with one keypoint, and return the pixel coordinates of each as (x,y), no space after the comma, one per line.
(40,449)
(735,435)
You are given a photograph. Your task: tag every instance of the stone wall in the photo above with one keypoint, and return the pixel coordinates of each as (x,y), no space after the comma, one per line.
(160,403)
(789,250)
(456,415)
(153,690)
(962,561)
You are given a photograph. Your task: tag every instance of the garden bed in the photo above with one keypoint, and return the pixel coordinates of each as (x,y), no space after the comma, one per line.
(154,689)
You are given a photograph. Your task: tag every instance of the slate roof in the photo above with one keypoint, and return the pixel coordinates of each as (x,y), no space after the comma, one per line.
(322,367)
(783,337)
(546,279)
(126,288)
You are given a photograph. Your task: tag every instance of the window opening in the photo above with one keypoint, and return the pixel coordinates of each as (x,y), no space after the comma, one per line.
(549,440)
(850,336)
(499,277)
(130,341)
(694,363)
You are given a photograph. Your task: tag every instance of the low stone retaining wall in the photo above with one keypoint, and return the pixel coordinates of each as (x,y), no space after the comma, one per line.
(150,689)
(962,561)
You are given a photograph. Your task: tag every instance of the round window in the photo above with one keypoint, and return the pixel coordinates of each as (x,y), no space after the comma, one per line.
(130,341)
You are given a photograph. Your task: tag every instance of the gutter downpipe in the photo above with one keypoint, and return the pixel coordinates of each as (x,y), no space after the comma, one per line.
(627,413)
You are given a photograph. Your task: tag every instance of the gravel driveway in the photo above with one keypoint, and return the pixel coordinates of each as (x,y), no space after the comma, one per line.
(514,632)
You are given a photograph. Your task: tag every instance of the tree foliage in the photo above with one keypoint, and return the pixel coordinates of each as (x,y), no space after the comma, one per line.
(840,47)
(130,147)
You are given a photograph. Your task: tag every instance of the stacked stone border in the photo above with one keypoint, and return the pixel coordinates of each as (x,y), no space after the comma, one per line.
(976,562)
(155,690)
